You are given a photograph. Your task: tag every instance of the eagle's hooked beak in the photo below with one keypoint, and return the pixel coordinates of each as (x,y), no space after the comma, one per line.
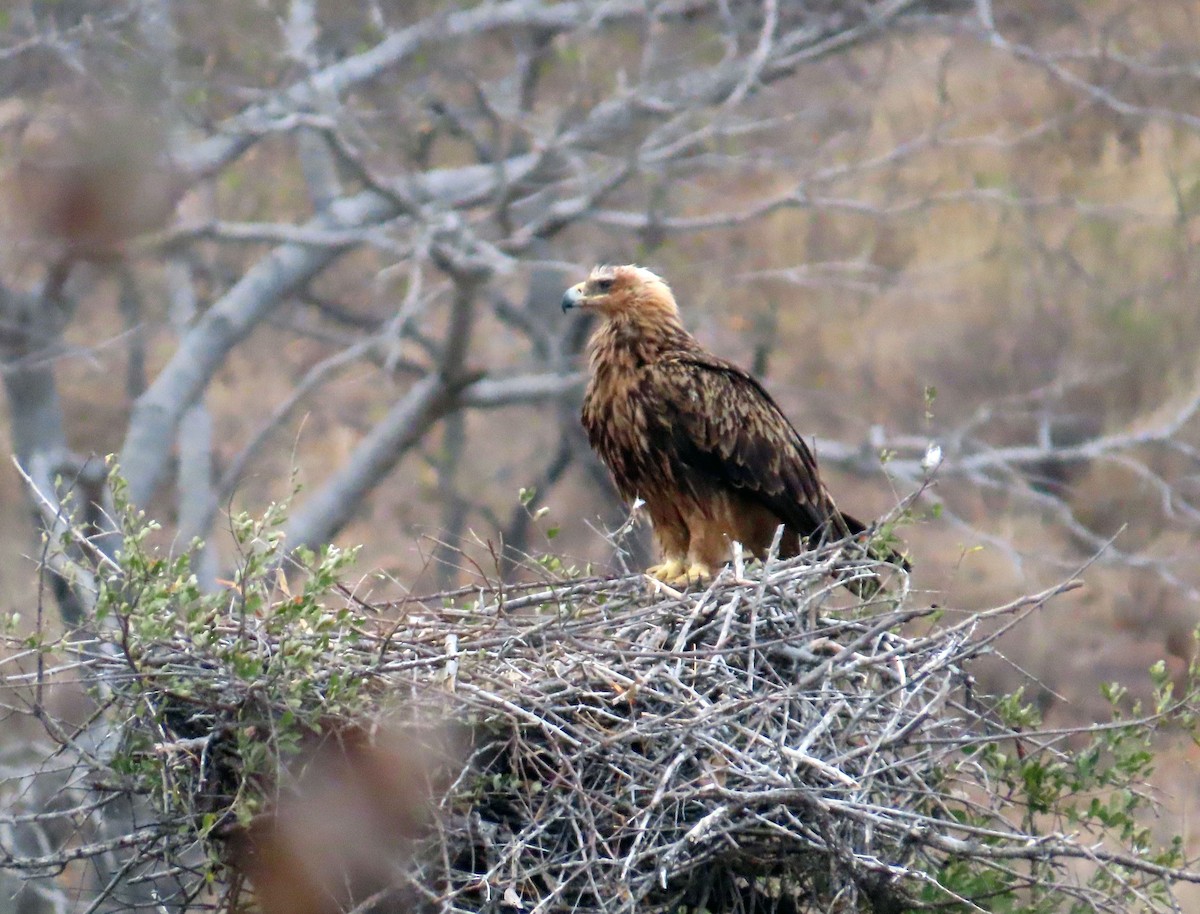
(572,297)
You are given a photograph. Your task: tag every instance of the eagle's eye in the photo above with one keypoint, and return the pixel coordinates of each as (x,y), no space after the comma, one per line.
(604,285)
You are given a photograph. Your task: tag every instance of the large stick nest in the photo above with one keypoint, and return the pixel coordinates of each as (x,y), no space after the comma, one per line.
(765,743)
(731,749)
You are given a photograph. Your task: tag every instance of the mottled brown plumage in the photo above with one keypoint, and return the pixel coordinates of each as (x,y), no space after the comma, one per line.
(695,437)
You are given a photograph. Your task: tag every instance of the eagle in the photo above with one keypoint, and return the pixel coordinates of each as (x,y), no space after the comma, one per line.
(695,437)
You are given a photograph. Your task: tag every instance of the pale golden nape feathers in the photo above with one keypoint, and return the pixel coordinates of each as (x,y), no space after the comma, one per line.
(694,436)
(633,302)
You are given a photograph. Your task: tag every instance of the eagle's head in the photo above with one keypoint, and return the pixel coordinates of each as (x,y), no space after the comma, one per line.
(630,292)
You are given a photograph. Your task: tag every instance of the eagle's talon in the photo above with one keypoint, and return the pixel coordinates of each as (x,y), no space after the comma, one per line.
(696,573)
(668,572)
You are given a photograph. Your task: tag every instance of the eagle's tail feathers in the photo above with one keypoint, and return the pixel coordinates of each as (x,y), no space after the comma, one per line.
(879,551)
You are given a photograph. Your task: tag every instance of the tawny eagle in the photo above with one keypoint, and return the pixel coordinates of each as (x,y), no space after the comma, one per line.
(695,437)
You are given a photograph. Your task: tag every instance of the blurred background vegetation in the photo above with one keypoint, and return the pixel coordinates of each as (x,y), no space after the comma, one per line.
(969,223)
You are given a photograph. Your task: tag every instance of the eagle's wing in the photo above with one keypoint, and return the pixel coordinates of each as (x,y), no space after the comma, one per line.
(717,425)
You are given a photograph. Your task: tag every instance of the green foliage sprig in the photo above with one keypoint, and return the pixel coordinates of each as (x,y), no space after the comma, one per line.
(256,649)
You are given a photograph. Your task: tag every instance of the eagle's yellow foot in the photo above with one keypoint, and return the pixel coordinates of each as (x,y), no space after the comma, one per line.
(696,573)
(667,571)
